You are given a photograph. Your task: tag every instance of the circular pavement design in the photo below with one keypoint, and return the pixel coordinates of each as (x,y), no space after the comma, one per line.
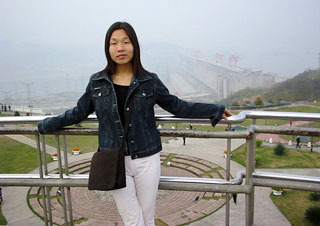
(173,207)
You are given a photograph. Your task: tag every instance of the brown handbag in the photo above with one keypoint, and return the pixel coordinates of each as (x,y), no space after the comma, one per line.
(107,170)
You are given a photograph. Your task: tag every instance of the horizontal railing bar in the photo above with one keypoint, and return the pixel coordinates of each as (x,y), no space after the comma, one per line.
(264,179)
(170,118)
(46,182)
(179,132)
(183,186)
(301,116)
(204,133)
(237,180)
(163,132)
(306,186)
(82,180)
(85,178)
(205,187)
(287,130)
(287,177)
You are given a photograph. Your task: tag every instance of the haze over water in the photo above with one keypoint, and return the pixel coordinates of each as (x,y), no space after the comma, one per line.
(55,46)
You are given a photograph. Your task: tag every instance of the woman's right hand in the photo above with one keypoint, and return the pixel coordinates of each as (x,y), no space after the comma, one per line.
(226,114)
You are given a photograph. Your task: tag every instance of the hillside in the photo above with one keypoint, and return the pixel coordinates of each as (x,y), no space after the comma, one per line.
(243,95)
(304,86)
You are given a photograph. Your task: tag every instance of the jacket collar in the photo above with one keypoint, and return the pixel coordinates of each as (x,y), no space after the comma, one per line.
(141,77)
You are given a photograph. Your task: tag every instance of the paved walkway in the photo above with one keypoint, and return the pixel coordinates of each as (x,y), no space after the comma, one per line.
(18,213)
(212,150)
(276,138)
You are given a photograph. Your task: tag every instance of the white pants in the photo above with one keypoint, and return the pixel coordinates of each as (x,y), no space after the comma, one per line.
(136,202)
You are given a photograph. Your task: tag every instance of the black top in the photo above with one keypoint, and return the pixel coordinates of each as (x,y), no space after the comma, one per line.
(121,93)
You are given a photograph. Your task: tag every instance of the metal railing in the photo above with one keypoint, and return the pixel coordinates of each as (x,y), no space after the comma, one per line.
(234,186)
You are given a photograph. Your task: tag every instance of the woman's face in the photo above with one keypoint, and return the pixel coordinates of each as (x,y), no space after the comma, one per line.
(121,48)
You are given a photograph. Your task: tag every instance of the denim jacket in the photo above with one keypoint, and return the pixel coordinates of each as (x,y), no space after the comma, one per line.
(143,137)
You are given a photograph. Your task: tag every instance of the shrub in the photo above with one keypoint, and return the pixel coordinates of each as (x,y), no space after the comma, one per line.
(258,143)
(314,196)
(258,101)
(279,149)
(16,113)
(313,214)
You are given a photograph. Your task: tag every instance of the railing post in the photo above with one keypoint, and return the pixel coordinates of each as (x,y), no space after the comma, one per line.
(44,203)
(254,148)
(249,171)
(45,166)
(61,176)
(228,177)
(66,167)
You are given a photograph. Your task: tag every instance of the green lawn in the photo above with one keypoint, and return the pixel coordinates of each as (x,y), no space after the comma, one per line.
(300,109)
(85,143)
(265,158)
(16,157)
(315,104)
(3,220)
(5,114)
(293,205)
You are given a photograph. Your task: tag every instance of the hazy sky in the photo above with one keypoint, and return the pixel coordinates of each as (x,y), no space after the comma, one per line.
(42,37)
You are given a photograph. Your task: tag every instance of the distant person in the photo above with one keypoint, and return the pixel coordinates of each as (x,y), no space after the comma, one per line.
(290,123)
(106,94)
(190,126)
(298,142)
(184,140)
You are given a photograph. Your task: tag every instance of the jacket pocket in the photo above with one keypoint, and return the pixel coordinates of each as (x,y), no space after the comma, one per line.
(101,100)
(100,92)
(144,99)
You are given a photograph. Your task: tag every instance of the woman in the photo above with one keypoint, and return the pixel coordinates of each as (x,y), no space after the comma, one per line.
(107,94)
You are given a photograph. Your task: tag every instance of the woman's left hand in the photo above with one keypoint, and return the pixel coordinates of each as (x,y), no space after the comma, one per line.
(226,114)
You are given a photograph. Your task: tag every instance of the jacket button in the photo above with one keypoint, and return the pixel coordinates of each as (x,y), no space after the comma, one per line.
(132,142)
(127,109)
(144,94)
(136,156)
(121,137)
(130,125)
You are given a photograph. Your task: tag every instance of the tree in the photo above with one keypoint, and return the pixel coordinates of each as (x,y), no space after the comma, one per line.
(258,101)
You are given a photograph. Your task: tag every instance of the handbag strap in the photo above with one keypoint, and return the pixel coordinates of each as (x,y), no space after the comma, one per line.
(128,114)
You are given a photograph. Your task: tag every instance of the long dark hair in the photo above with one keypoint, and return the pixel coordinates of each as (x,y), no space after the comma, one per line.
(136,62)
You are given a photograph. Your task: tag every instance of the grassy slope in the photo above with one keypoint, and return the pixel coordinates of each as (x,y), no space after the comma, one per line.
(293,158)
(16,157)
(293,205)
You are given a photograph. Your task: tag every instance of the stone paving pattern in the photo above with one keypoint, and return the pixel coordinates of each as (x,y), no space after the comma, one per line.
(173,207)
